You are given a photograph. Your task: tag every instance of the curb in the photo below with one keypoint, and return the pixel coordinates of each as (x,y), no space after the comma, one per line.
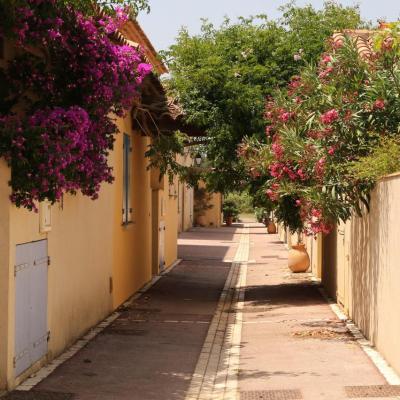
(377,359)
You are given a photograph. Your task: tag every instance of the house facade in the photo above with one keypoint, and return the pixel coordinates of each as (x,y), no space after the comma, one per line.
(67,267)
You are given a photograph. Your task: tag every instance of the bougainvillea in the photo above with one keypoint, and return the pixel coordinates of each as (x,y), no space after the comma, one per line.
(331,118)
(68,79)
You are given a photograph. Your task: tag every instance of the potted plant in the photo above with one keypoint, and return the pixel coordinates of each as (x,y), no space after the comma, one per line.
(201,204)
(270,224)
(298,258)
(288,214)
(230,212)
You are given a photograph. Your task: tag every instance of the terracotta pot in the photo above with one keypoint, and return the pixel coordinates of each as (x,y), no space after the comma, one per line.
(201,220)
(271,228)
(298,260)
(229,220)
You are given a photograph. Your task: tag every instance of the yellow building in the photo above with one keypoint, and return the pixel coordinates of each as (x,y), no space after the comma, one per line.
(67,267)
(212,215)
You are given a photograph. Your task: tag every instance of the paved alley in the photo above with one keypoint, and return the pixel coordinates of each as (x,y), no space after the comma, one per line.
(229,322)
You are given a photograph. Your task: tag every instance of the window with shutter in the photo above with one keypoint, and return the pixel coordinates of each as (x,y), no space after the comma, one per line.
(127,177)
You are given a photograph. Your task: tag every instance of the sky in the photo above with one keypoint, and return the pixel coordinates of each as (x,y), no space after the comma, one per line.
(168,16)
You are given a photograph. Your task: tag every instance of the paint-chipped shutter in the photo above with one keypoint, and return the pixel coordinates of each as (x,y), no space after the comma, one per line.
(31,333)
(127,177)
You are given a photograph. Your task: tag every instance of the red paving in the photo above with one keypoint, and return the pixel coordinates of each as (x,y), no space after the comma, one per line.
(278,352)
(151,351)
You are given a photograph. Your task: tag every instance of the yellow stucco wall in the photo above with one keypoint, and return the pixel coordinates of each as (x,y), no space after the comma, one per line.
(88,246)
(6,274)
(132,242)
(186,211)
(213,216)
(78,277)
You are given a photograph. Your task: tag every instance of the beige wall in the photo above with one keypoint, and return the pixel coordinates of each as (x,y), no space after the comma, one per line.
(314,249)
(374,286)
(362,269)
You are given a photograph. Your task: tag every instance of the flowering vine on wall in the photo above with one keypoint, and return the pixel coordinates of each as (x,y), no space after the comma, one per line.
(332,121)
(64,88)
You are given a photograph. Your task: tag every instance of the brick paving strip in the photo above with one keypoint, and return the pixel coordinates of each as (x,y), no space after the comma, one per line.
(217,369)
(293,345)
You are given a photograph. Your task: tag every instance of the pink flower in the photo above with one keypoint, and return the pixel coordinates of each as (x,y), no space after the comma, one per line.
(331,150)
(284,117)
(295,83)
(329,117)
(272,195)
(277,149)
(316,213)
(292,175)
(301,174)
(325,72)
(379,104)
(320,167)
(144,68)
(276,170)
(326,59)
(272,192)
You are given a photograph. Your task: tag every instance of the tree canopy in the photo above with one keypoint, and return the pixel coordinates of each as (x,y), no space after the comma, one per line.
(222,76)
(333,132)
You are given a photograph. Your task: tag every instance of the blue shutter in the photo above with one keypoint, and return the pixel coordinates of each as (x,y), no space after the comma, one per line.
(31,334)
